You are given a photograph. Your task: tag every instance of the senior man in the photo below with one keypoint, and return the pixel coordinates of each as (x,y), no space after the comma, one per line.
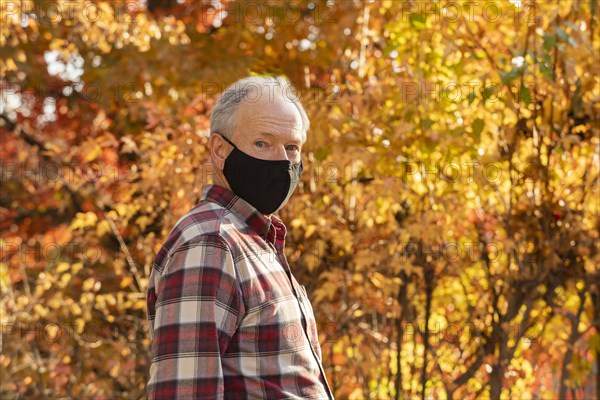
(227,318)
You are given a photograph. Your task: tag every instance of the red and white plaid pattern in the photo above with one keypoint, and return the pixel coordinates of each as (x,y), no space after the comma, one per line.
(227,318)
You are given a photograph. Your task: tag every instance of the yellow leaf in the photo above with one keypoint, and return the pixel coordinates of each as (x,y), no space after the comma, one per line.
(126,281)
(54,303)
(139,304)
(93,154)
(21,57)
(311,261)
(110,299)
(114,371)
(102,228)
(62,267)
(122,209)
(309,231)
(79,325)
(88,284)
(40,310)
(356,394)
(65,279)
(595,342)
(75,268)
(75,309)
(143,221)
(4,280)
(84,220)
(10,65)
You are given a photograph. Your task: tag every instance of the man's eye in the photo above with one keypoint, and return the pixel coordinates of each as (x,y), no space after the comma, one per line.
(260,143)
(292,147)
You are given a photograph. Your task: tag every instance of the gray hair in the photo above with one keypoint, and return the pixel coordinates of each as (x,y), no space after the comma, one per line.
(223,118)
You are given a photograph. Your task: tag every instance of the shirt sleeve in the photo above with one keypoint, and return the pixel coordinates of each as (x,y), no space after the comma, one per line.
(198,308)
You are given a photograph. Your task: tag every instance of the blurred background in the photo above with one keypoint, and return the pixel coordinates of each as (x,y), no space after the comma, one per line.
(446,225)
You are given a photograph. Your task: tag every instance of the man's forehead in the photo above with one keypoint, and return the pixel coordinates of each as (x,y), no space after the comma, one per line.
(278,110)
(263,98)
(275,119)
(270,113)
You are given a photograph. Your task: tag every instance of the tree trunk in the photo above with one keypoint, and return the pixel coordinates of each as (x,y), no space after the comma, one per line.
(564,373)
(398,384)
(402,301)
(496,380)
(597,374)
(429,274)
(596,313)
(573,337)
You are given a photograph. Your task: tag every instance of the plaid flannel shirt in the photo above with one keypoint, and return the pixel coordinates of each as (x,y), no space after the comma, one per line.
(227,318)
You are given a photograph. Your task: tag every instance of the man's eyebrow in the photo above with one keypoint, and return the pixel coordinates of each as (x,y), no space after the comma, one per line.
(273,135)
(265,134)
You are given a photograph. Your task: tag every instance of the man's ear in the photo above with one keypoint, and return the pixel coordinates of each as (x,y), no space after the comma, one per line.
(219,150)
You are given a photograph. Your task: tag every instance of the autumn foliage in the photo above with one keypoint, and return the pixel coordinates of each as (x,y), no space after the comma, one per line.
(446,225)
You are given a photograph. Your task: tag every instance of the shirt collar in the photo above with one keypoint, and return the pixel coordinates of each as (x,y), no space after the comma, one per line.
(243,210)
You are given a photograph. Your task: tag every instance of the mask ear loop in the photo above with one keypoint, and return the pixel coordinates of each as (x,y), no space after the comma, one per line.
(227,140)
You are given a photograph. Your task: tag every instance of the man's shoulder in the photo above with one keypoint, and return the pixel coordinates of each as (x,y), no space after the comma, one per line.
(205,219)
(205,222)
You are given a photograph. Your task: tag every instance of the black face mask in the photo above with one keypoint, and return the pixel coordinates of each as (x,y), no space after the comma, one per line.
(265,184)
